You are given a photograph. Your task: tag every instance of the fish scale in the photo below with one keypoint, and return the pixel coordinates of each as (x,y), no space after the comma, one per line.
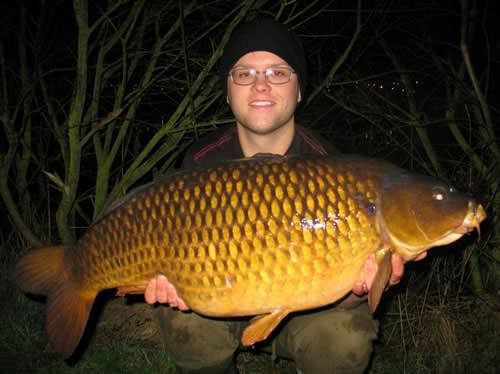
(263,236)
(194,252)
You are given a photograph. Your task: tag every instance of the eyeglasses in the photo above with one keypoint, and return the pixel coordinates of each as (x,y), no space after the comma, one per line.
(274,75)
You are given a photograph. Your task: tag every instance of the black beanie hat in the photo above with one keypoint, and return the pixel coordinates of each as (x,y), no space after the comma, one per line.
(264,34)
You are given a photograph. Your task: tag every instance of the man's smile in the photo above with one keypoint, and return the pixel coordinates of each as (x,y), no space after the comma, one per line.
(261,103)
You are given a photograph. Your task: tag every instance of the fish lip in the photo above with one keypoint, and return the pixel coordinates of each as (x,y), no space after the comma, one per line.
(473,219)
(464,229)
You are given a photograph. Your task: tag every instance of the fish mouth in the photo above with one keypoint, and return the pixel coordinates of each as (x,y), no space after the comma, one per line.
(475,215)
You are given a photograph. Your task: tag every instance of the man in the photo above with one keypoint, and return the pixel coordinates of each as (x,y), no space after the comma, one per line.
(264,77)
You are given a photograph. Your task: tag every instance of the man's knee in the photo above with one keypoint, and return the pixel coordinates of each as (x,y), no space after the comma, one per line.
(327,351)
(331,341)
(196,343)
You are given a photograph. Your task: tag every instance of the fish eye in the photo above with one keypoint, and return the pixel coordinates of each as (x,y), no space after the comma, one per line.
(438,193)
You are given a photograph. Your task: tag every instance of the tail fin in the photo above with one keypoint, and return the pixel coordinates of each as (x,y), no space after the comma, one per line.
(43,272)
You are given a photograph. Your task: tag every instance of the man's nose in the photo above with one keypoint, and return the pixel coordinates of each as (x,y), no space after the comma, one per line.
(261,83)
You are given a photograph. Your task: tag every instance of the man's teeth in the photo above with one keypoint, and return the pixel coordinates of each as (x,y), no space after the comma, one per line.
(261,103)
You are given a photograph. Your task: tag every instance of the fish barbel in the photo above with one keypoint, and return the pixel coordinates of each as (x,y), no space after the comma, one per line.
(246,237)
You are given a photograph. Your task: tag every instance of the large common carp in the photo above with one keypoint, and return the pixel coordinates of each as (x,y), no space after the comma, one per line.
(248,237)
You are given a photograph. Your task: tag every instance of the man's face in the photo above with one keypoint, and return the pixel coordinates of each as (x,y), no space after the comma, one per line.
(262,107)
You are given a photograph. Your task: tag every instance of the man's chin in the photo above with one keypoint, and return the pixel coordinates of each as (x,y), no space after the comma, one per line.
(263,129)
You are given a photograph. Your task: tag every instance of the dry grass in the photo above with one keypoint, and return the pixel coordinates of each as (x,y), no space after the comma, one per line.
(435,325)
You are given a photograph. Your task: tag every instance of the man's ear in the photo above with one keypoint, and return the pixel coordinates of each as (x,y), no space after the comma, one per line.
(299,99)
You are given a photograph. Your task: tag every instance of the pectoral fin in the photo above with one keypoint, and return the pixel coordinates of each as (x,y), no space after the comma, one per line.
(381,280)
(131,289)
(262,326)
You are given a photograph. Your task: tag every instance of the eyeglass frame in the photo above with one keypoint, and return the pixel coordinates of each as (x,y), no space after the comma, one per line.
(256,72)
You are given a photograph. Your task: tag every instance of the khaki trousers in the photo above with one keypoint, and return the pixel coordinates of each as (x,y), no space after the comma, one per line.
(330,340)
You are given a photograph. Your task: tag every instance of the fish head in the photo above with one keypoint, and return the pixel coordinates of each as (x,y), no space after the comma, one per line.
(417,213)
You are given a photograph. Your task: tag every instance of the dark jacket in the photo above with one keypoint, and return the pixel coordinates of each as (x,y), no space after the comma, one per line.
(223,144)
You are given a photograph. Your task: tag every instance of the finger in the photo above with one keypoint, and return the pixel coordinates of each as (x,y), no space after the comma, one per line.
(398,269)
(363,284)
(162,289)
(421,256)
(360,288)
(176,300)
(371,269)
(171,295)
(182,305)
(150,293)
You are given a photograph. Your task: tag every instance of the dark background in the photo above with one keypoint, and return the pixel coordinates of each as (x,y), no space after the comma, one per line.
(86,114)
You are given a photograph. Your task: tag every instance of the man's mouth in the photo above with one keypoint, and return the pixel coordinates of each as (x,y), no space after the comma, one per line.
(261,103)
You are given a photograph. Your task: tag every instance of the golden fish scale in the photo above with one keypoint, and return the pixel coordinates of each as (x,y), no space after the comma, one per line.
(241,238)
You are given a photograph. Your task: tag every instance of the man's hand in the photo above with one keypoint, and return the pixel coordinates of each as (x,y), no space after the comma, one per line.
(160,290)
(370,270)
